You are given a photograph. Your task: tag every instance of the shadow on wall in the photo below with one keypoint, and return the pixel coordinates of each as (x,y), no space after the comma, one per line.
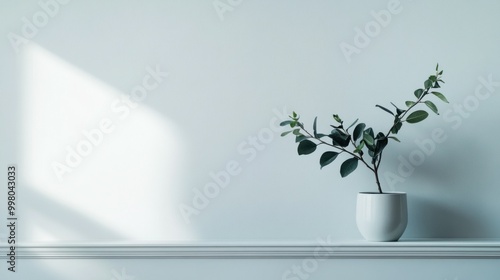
(445,199)
(435,219)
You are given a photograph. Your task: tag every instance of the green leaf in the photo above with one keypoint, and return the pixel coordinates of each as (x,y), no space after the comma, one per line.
(397,127)
(348,167)
(440,96)
(417,116)
(337,118)
(436,85)
(314,127)
(297,131)
(370,131)
(437,66)
(285,123)
(433,78)
(327,158)
(368,139)
(409,103)
(428,84)
(394,138)
(306,147)
(385,109)
(360,147)
(358,130)
(432,106)
(352,124)
(285,133)
(418,92)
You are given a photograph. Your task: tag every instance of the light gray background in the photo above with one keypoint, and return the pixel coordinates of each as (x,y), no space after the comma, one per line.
(228,75)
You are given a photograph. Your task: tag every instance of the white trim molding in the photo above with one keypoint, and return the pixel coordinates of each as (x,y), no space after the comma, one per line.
(406,249)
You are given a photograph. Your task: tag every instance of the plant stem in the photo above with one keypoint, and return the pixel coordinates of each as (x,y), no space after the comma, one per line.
(376,166)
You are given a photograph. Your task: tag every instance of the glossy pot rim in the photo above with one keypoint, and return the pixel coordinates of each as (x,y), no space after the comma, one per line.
(384,193)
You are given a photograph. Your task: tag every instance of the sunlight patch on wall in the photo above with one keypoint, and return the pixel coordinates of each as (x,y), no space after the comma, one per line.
(89,148)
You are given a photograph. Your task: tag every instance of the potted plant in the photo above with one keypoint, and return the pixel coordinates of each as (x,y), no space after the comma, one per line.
(380,216)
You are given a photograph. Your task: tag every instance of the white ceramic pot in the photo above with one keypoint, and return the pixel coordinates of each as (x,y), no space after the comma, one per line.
(381,216)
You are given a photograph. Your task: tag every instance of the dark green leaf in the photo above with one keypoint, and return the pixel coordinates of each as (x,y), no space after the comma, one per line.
(440,96)
(398,124)
(348,167)
(417,116)
(306,147)
(285,133)
(418,92)
(297,131)
(319,135)
(358,130)
(437,66)
(314,127)
(337,126)
(409,103)
(327,158)
(433,78)
(385,109)
(337,118)
(380,145)
(432,106)
(398,111)
(436,85)
(428,84)
(339,138)
(370,153)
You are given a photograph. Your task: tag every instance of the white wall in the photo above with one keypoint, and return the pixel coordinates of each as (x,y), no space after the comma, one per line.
(231,77)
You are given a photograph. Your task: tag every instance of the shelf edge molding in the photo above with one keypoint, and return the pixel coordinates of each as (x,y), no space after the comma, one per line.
(331,251)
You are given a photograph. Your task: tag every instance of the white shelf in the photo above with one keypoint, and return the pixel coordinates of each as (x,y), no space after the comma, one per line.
(417,248)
